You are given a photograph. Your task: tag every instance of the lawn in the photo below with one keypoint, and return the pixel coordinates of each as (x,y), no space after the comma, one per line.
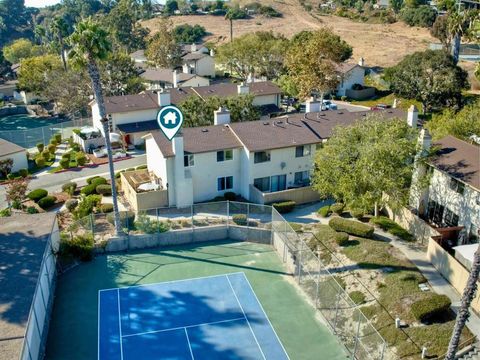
(72,164)
(387,98)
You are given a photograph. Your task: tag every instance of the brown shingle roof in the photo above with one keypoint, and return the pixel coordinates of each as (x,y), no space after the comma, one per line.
(125,103)
(165,75)
(7,148)
(344,68)
(459,159)
(194,56)
(229,89)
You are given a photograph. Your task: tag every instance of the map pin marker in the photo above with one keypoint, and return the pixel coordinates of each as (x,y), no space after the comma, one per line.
(170,120)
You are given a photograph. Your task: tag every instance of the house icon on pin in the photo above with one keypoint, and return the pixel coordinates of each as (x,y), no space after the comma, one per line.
(170,118)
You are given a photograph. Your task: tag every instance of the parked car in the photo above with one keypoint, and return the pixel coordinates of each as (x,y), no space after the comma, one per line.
(380,107)
(329,105)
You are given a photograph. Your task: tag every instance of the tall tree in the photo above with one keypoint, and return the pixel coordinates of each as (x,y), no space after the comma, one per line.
(361,163)
(59,29)
(162,49)
(21,49)
(430,77)
(460,25)
(120,76)
(441,31)
(89,45)
(35,71)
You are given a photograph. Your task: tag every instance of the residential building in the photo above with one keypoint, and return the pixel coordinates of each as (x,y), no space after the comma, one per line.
(199,63)
(160,79)
(451,202)
(15,152)
(139,57)
(349,75)
(263,161)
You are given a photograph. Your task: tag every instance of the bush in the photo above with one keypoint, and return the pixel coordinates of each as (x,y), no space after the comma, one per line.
(284,206)
(142,167)
(66,156)
(126,218)
(106,208)
(357,213)
(148,226)
(240,219)
(58,138)
(351,227)
(88,190)
(98,180)
(71,204)
(81,159)
(47,201)
(69,188)
(341,238)
(392,227)
(5,212)
(230,195)
(51,148)
(89,180)
(429,308)
(11,176)
(40,162)
(324,211)
(86,206)
(337,208)
(23,173)
(79,247)
(37,194)
(358,297)
(46,155)
(32,210)
(65,163)
(423,16)
(103,189)
(40,147)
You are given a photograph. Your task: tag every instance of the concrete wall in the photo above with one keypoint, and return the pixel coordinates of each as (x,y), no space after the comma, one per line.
(301,195)
(90,143)
(266,100)
(143,200)
(451,270)
(19,160)
(420,229)
(195,82)
(366,93)
(205,66)
(355,76)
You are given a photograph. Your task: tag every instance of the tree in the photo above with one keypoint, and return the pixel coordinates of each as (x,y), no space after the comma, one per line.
(440,31)
(311,61)
(423,16)
(187,34)
(361,163)
(15,20)
(430,77)
(6,166)
(59,29)
(39,33)
(461,125)
(458,26)
(120,75)
(396,5)
(89,45)
(16,191)
(171,6)
(34,72)
(21,49)
(162,49)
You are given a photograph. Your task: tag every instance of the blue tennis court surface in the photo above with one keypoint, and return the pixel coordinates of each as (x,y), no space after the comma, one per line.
(217,317)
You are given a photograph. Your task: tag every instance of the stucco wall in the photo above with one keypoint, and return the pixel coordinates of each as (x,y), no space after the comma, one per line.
(299,195)
(422,231)
(206,66)
(195,82)
(19,160)
(355,76)
(134,116)
(266,100)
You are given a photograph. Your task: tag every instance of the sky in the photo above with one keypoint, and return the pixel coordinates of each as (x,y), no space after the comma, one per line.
(40,3)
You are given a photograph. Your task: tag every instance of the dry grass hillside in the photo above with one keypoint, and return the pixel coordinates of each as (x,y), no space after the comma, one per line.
(380,44)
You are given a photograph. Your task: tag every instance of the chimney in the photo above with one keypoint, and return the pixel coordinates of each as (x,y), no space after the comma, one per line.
(312,105)
(412,116)
(175,78)
(243,89)
(361,62)
(221,116)
(212,52)
(425,142)
(177,145)
(193,48)
(395,103)
(163,98)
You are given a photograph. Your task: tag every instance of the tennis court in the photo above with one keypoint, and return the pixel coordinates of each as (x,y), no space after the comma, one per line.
(214,317)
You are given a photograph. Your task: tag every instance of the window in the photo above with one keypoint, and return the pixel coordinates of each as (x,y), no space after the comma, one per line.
(435,212)
(262,184)
(278,183)
(451,219)
(224,155)
(302,178)
(261,156)
(301,151)
(225,183)
(457,186)
(188,160)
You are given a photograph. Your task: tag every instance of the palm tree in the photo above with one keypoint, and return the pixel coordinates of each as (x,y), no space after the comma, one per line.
(89,44)
(230,15)
(59,29)
(464,310)
(456,27)
(39,33)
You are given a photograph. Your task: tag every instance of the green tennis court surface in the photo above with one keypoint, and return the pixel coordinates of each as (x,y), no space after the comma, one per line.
(74,327)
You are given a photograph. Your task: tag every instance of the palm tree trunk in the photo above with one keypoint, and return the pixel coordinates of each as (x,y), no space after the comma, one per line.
(464,310)
(456,47)
(231,30)
(62,49)
(97,89)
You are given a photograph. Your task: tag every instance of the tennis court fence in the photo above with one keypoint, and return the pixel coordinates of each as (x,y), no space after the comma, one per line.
(248,222)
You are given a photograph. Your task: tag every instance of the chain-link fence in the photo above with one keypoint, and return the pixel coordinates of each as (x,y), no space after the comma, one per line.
(28,138)
(350,325)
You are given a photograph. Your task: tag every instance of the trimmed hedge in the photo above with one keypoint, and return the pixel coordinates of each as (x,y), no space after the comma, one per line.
(357,213)
(51,148)
(40,147)
(40,162)
(46,155)
(284,206)
(104,189)
(230,196)
(324,211)
(47,201)
(106,208)
(430,307)
(141,167)
(98,181)
(37,194)
(23,173)
(80,247)
(65,163)
(58,138)
(81,159)
(69,188)
(337,208)
(351,227)
(88,190)
(327,236)
(240,219)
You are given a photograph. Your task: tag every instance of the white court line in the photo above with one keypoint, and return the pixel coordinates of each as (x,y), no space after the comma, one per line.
(98,328)
(248,322)
(264,313)
(188,341)
(171,281)
(184,327)
(120,325)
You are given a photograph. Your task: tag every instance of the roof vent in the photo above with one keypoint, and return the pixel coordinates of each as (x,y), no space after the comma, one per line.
(340,113)
(266,123)
(204,130)
(364,115)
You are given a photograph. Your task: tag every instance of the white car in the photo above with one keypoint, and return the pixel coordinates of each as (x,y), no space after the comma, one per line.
(329,105)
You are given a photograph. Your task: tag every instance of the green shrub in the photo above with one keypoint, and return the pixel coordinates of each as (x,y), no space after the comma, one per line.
(75,147)
(127,218)
(5,212)
(90,179)
(357,296)
(71,204)
(142,167)
(32,210)
(326,235)
(351,227)
(23,173)
(40,162)
(148,226)
(88,190)
(80,247)
(429,308)
(106,208)
(37,194)
(47,202)
(11,176)
(51,148)
(357,213)
(98,181)
(40,147)
(391,226)
(81,159)
(324,211)
(240,219)
(66,156)
(58,138)
(64,163)
(341,238)
(103,189)
(69,188)
(86,206)
(337,208)
(46,155)
(230,195)
(284,206)
(130,169)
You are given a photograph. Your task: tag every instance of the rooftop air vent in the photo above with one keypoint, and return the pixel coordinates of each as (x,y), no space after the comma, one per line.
(266,123)
(340,113)
(204,130)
